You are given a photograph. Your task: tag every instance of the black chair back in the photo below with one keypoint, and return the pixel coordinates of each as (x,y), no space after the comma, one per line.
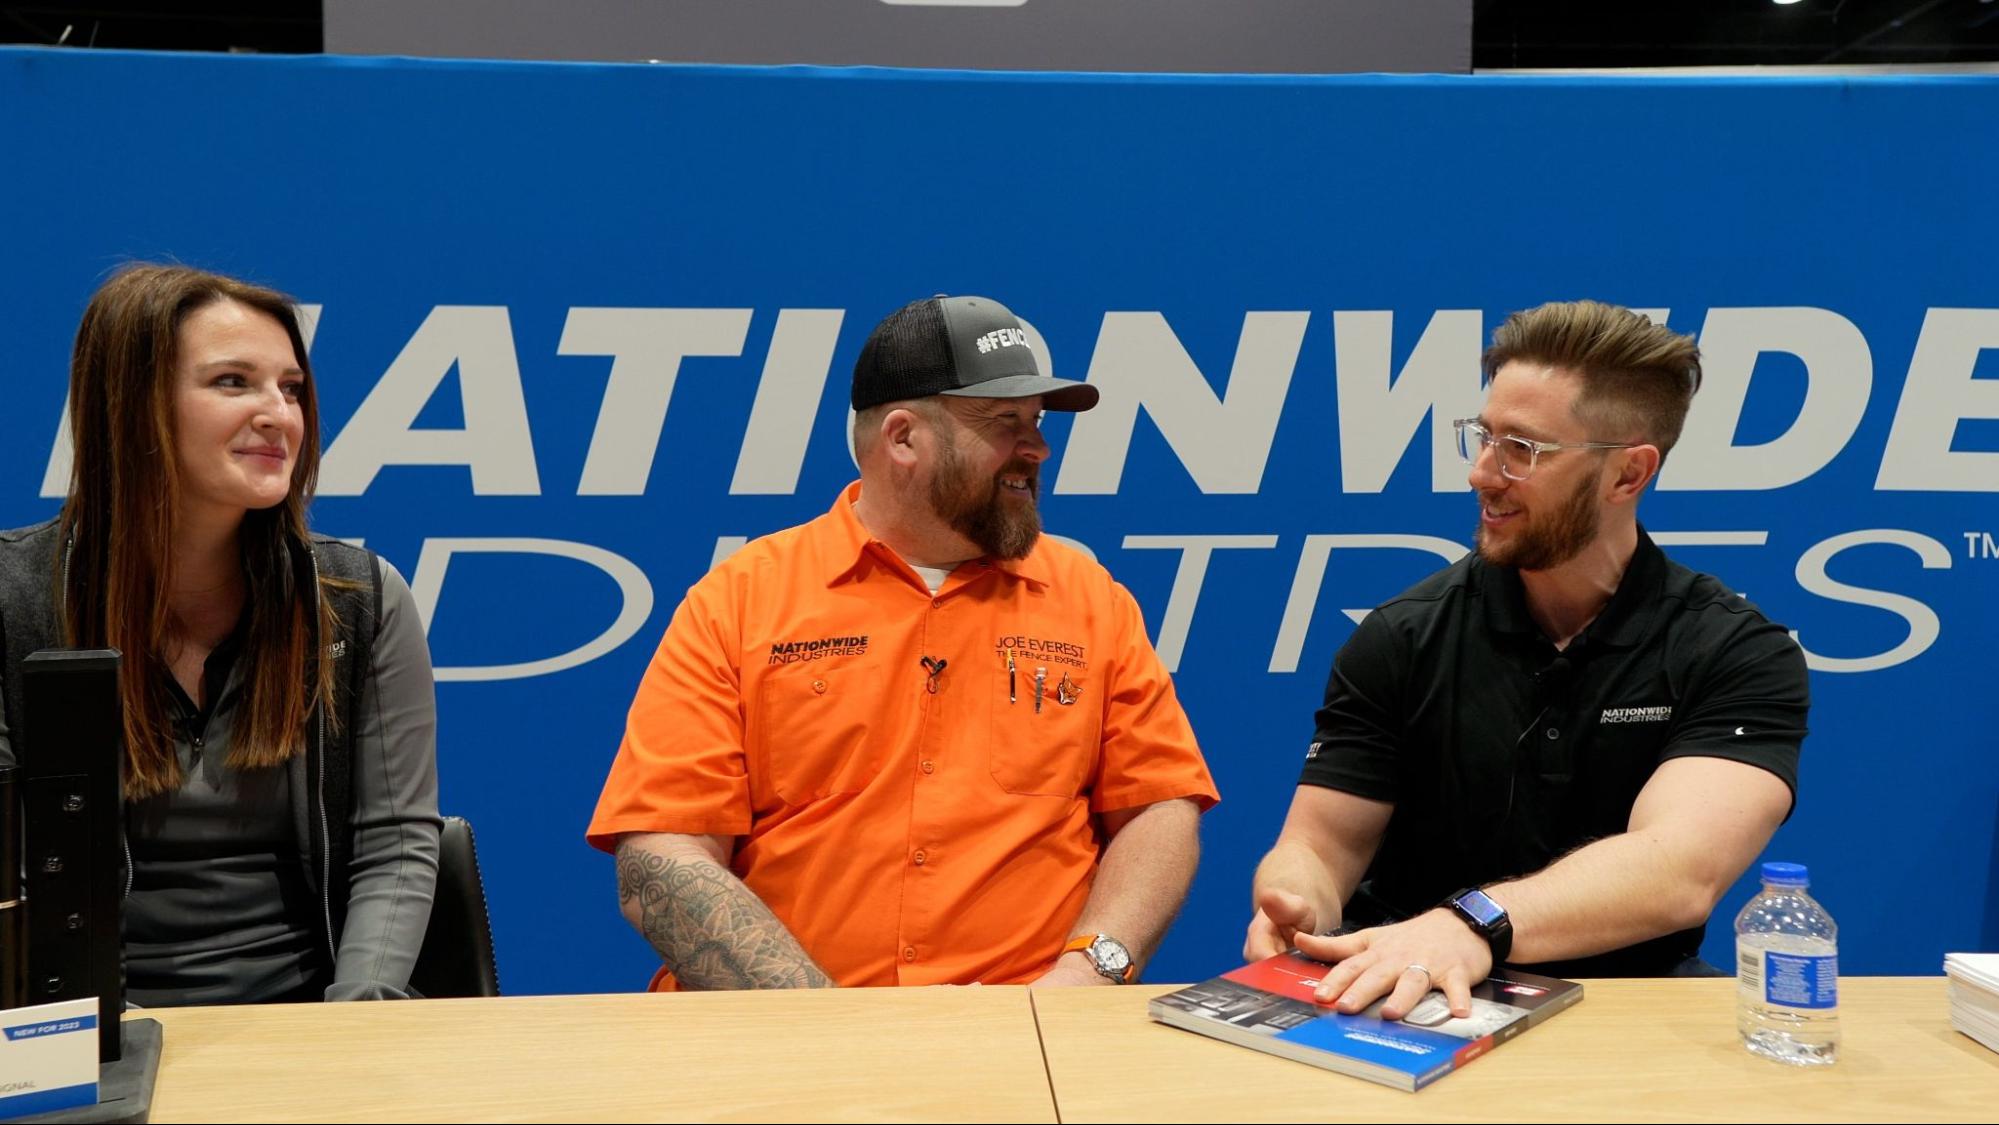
(457,957)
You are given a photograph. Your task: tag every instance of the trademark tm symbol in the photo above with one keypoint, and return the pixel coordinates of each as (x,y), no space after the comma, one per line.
(1980,545)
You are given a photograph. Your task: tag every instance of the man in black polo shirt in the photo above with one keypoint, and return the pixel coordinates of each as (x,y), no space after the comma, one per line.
(1562,750)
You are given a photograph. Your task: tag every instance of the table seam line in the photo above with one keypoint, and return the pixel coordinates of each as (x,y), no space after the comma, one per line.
(1041,1042)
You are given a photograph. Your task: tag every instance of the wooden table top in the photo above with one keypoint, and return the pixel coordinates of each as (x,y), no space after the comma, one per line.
(1632,1050)
(962,1054)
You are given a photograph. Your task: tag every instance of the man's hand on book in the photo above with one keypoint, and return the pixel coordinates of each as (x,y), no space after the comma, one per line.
(1280,917)
(1402,962)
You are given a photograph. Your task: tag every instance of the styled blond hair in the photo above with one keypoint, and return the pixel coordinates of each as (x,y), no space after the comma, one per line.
(1638,378)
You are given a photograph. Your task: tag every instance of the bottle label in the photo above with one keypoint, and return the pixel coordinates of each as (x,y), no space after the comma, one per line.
(1800,981)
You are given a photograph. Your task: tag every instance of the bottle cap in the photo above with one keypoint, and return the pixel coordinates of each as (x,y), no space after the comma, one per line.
(1787,874)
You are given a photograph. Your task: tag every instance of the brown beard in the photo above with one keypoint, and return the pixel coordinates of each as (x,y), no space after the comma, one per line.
(1550,542)
(1002,528)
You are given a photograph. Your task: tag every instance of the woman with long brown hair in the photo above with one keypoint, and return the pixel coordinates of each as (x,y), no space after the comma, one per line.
(280,724)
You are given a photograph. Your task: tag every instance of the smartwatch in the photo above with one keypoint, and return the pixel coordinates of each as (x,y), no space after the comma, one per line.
(1486,918)
(1107,953)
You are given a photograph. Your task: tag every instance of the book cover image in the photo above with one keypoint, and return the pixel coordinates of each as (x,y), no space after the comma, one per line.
(1268,1006)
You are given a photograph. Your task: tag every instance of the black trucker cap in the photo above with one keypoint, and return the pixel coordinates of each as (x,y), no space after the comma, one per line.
(957,346)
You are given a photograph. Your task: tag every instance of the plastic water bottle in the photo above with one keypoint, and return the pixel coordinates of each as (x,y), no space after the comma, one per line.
(1787,972)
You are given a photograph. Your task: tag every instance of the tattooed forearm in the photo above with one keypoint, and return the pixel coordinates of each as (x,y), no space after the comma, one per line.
(707,926)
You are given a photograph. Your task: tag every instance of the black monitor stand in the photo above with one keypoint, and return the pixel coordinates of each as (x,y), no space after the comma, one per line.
(68,742)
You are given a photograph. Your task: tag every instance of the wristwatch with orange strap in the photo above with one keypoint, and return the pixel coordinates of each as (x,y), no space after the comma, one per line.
(1107,953)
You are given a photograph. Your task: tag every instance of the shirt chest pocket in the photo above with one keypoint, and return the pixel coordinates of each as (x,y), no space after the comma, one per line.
(1048,749)
(810,735)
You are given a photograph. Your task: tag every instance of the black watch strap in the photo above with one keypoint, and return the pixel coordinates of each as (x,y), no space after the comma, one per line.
(1486,918)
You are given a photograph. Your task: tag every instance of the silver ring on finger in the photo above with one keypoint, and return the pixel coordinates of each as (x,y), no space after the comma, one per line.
(1414,967)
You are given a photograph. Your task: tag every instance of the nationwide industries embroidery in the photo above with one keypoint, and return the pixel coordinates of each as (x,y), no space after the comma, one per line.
(1636,714)
(798,652)
(1041,650)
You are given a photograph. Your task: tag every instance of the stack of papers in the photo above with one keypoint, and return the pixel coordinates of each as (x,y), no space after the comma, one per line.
(1974,995)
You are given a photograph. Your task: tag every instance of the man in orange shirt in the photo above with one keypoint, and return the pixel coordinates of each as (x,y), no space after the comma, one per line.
(912,741)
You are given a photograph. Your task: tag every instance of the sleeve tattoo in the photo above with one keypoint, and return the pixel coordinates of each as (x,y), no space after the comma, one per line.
(709,928)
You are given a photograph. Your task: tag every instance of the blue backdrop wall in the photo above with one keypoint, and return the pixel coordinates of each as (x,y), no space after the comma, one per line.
(582,328)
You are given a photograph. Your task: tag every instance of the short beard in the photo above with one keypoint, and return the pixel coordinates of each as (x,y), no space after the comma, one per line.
(1001,528)
(1570,528)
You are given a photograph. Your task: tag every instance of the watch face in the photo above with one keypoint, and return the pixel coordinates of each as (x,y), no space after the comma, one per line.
(1110,956)
(1479,906)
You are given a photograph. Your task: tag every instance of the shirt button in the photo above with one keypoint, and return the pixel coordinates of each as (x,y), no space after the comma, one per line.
(909,953)
(929,766)
(197,742)
(1553,733)
(819,686)
(936,603)
(920,857)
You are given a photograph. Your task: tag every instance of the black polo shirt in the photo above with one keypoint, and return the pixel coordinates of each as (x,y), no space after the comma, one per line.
(1502,754)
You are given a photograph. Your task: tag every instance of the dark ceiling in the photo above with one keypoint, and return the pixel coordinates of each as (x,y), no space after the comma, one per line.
(1619,33)
(1506,33)
(270,26)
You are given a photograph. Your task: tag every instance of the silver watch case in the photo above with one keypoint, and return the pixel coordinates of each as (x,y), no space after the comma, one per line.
(1110,957)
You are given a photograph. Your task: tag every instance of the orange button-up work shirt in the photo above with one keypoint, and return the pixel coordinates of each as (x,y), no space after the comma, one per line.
(908,828)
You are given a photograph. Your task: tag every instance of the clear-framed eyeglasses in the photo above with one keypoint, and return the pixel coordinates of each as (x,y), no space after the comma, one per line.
(1517,455)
